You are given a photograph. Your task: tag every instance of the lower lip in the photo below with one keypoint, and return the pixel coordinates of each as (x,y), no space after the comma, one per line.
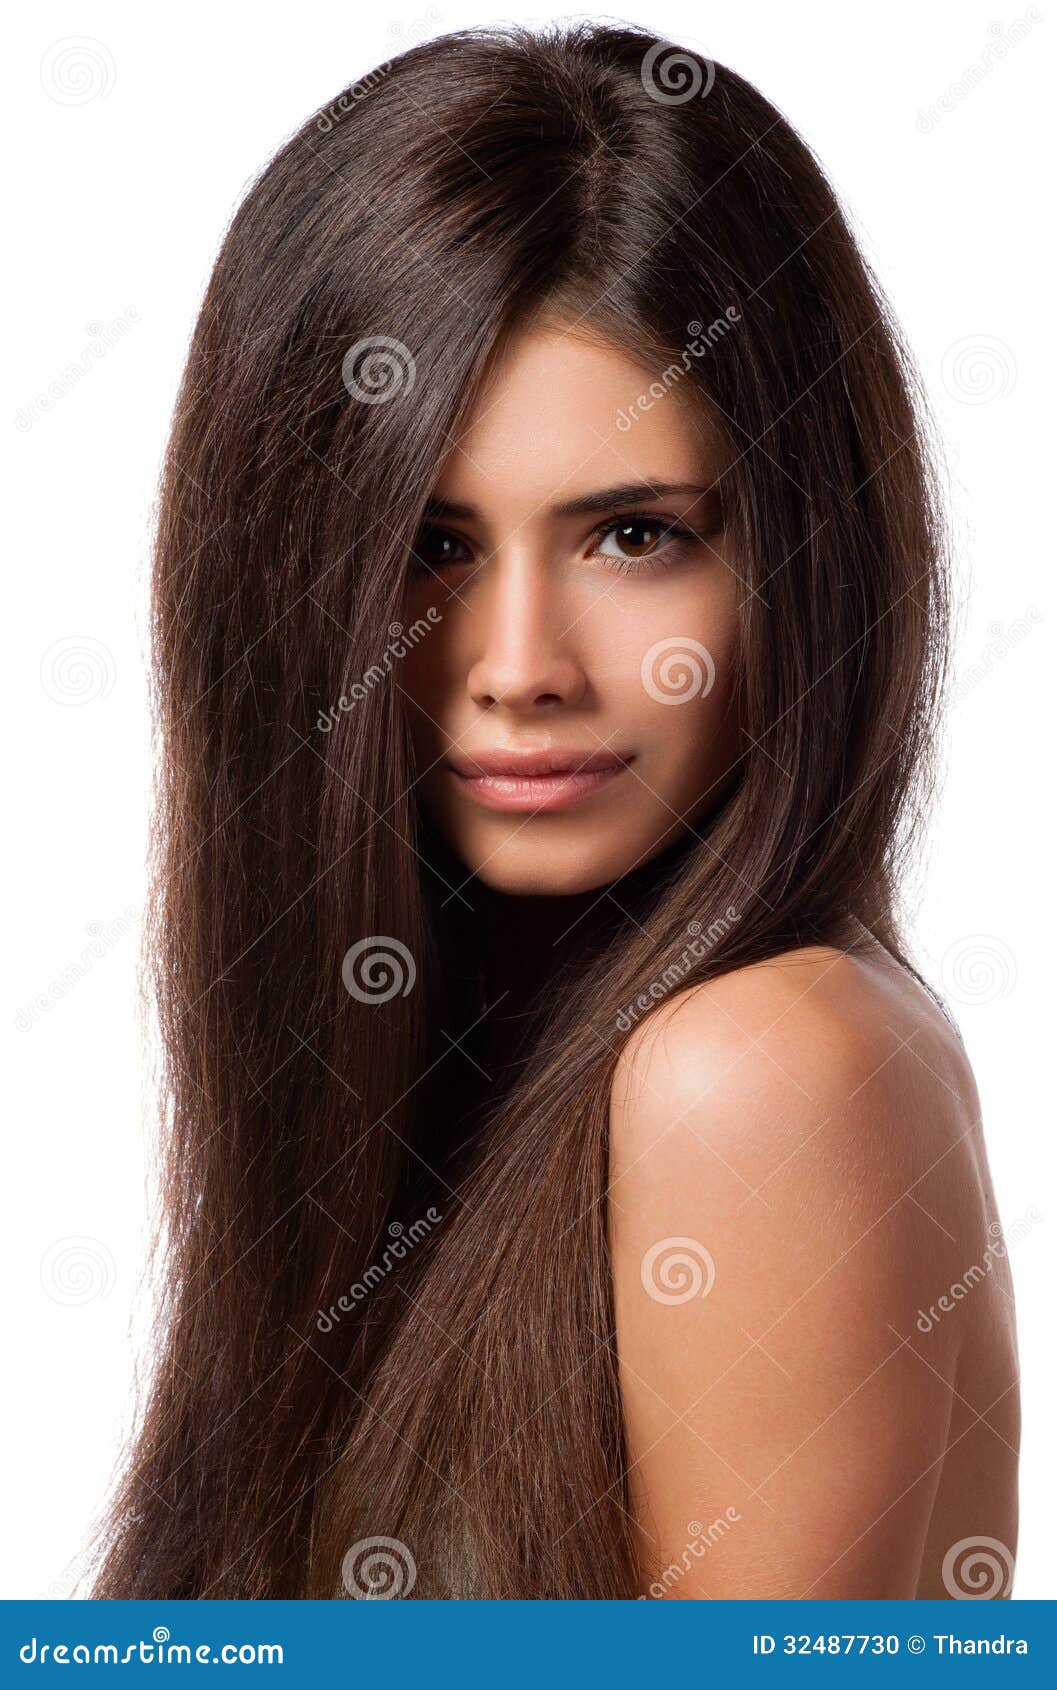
(536,792)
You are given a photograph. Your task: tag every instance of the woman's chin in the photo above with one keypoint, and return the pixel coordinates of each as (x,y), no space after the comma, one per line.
(519,875)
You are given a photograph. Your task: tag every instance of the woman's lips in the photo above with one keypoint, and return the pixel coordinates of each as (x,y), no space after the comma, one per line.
(528,792)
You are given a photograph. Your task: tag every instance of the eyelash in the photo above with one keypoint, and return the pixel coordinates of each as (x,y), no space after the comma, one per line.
(670,529)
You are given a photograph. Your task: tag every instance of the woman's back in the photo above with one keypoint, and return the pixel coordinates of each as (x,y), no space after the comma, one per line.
(972,1536)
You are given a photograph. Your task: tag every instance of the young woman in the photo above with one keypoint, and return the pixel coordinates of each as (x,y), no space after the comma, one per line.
(568,1179)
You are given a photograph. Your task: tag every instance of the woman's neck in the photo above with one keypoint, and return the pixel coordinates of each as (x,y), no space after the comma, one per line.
(525,943)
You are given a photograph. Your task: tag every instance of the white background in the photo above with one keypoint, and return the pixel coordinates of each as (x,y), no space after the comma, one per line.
(117,203)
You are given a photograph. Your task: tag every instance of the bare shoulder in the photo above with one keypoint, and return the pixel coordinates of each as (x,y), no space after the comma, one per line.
(819,1088)
(814,1048)
(794,1171)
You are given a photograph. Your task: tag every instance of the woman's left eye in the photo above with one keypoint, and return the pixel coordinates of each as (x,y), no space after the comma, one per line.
(640,540)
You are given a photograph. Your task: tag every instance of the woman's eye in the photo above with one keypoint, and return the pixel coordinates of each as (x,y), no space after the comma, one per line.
(626,541)
(436,547)
(632,539)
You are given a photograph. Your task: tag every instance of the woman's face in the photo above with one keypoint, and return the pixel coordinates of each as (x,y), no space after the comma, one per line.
(570,704)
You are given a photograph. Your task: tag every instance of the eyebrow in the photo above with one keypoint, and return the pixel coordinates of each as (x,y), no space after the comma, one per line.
(602,499)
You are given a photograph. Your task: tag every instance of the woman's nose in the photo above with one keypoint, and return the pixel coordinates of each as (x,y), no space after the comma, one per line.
(524,640)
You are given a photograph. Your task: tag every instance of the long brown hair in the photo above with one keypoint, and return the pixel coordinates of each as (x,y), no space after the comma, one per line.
(385,1332)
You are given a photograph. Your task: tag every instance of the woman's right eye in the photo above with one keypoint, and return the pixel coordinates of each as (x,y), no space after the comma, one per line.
(435,548)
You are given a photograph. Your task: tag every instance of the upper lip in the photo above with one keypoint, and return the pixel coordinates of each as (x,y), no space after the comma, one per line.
(530,763)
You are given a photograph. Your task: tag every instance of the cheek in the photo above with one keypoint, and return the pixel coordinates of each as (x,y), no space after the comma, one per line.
(667,659)
(670,665)
(429,671)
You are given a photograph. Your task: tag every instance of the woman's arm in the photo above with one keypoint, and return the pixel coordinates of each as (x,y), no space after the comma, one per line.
(787,1174)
